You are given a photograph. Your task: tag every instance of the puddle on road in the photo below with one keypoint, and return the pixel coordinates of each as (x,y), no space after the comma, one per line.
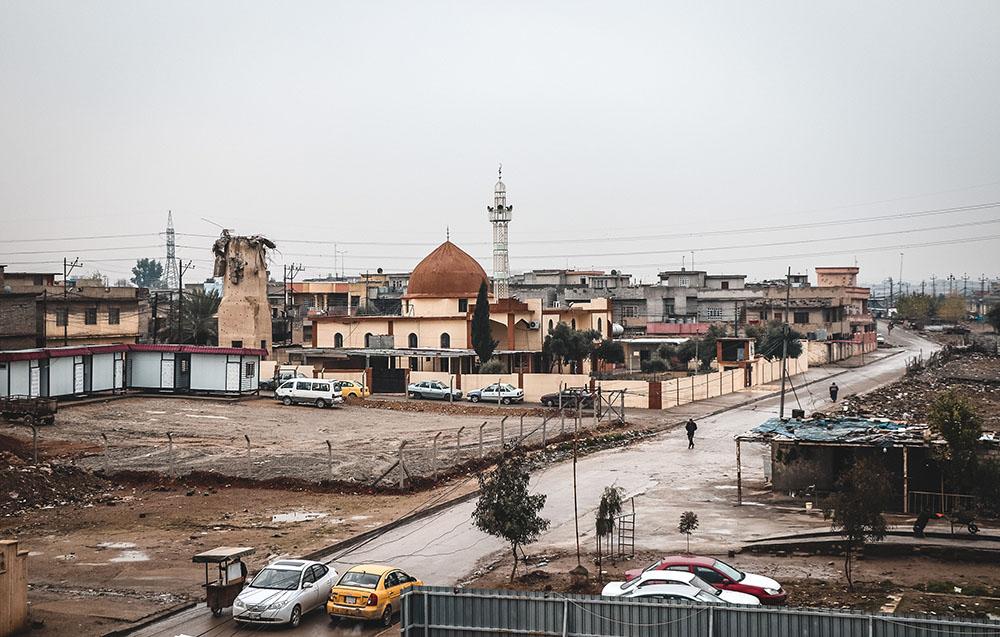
(155,413)
(120,546)
(358,518)
(207,416)
(298,516)
(130,556)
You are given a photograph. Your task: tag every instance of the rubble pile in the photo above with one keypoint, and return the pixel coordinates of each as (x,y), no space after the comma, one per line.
(973,375)
(25,486)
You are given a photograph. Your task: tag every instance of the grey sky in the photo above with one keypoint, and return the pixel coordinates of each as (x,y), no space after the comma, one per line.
(378,121)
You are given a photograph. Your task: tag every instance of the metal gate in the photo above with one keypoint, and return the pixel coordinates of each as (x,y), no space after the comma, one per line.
(388,381)
(167,372)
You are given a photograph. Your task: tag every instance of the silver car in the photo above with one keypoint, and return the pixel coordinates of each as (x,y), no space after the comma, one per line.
(283,591)
(497,393)
(432,389)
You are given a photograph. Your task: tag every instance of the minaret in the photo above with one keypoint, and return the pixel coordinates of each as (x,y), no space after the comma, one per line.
(170,273)
(500,217)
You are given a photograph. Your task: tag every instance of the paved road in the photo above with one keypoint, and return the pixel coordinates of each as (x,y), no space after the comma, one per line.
(666,477)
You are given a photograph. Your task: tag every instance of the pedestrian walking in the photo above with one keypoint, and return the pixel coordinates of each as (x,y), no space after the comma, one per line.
(833,392)
(691,427)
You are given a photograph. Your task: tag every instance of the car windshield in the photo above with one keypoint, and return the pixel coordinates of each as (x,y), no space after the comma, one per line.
(697,582)
(287,385)
(359,580)
(728,571)
(277,579)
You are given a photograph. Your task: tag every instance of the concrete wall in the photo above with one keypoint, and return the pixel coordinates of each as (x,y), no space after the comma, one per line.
(13,588)
(478,381)
(825,352)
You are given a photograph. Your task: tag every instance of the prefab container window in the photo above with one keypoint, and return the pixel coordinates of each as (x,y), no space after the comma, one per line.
(249,369)
(114,316)
(90,316)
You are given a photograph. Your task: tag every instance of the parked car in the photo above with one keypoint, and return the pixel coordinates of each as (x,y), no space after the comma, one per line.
(318,392)
(369,592)
(279,378)
(432,389)
(283,591)
(497,393)
(351,388)
(678,592)
(570,396)
(655,579)
(720,575)
(880,340)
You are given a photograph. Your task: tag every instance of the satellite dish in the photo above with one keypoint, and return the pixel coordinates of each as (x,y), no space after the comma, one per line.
(379,270)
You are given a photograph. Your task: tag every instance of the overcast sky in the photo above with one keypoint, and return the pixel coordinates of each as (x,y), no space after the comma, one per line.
(624,130)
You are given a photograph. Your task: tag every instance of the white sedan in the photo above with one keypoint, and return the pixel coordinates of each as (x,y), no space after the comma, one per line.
(497,393)
(668,584)
(283,591)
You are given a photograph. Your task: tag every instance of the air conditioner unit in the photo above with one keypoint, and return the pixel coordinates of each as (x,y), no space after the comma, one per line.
(533,325)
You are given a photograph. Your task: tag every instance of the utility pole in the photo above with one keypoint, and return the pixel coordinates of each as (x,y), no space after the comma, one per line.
(67,269)
(156,317)
(923,288)
(965,284)
(784,342)
(934,286)
(290,272)
(184,267)
(736,318)
(44,340)
(892,294)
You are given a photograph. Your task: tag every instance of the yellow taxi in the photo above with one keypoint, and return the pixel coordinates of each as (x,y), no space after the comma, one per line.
(369,592)
(350,388)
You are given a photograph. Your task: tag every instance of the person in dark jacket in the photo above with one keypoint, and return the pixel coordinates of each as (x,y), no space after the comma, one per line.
(691,427)
(833,392)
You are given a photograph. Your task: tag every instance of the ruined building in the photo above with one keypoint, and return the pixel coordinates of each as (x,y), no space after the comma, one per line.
(244,313)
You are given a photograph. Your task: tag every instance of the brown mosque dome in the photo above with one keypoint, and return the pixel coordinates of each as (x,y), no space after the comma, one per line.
(447,272)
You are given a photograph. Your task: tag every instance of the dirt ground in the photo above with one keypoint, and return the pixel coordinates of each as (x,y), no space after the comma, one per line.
(910,585)
(100,565)
(208,435)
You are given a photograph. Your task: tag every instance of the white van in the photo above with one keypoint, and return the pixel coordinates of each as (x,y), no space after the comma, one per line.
(321,393)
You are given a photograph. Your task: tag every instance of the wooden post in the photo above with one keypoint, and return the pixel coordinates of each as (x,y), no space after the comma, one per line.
(502,431)
(249,463)
(739,475)
(481,439)
(329,460)
(107,453)
(402,466)
(434,454)
(170,453)
(562,416)
(521,437)
(34,444)
(451,382)
(545,423)
(458,442)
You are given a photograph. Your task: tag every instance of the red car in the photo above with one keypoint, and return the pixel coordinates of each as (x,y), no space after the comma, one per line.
(720,575)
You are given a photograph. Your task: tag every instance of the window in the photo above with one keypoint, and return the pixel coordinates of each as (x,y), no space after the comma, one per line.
(573,324)
(309,576)
(713,312)
(684,281)
(37,279)
(61,316)
(679,567)
(668,307)
(90,316)
(709,575)
(114,316)
(801,317)
(630,311)
(600,325)
(250,369)
(463,305)
(320,571)
(324,387)
(725,285)
(368,339)
(778,316)
(550,325)
(412,340)
(263,344)
(446,340)
(237,344)
(338,340)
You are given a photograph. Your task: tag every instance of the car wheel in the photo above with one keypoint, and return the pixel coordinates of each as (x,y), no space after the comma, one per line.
(546,403)
(334,619)
(474,399)
(296,617)
(320,403)
(387,616)
(505,400)
(286,401)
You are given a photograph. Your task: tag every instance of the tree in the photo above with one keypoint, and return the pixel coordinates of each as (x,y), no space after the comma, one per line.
(768,340)
(505,509)
(610,351)
(915,307)
(147,273)
(198,325)
(482,337)
(607,511)
(993,318)
(952,308)
(705,346)
(952,417)
(687,526)
(861,497)
(566,345)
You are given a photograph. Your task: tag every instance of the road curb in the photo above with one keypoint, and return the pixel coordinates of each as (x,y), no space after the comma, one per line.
(152,619)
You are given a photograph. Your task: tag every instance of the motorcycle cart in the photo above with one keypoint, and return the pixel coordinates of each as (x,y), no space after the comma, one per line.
(229,577)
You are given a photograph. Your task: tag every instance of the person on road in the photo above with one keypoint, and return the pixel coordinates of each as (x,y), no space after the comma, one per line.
(833,392)
(691,427)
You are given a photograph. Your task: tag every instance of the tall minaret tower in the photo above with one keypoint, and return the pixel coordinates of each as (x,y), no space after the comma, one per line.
(500,217)
(170,273)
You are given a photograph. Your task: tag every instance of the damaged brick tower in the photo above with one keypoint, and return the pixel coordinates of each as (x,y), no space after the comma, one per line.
(244,313)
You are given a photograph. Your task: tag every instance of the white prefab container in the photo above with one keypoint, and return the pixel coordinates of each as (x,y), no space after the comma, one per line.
(144,370)
(199,369)
(61,377)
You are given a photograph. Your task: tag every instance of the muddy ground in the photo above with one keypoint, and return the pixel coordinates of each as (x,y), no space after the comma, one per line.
(208,435)
(910,585)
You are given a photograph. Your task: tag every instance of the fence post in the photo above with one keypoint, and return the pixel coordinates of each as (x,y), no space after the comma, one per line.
(402,466)
(249,462)
(871,626)
(170,454)
(562,416)
(481,439)
(502,429)
(329,460)
(34,444)
(451,395)
(458,443)
(107,453)
(711,622)
(521,436)
(545,424)
(434,454)
(565,626)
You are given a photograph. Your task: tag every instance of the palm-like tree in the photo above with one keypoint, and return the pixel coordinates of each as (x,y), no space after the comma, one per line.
(198,325)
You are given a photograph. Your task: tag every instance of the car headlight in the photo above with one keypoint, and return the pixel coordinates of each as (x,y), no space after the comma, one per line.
(772,591)
(239,603)
(277,605)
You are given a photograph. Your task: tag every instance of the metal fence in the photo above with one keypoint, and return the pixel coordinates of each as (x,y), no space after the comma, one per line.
(445,612)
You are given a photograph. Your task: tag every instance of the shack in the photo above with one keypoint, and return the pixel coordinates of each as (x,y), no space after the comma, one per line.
(63,371)
(194,368)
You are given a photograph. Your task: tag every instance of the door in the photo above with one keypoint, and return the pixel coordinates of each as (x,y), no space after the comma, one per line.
(34,379)
(233,375)
(182,371)
(167,372)
(119,371)
(393,588)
